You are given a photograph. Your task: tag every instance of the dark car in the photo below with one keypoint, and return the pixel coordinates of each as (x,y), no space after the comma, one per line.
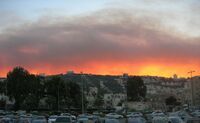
(193,120)
(63,119)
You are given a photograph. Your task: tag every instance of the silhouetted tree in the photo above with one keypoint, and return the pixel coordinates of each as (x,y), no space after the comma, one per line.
(61,93)
(25,88)
(172,101)
(3,87)
(36,92)
(136,90)
(18,85)
(73,94)
(55,87)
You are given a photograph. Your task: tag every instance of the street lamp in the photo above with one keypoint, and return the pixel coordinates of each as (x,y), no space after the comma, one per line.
(192,86)
(58,96)
(82,95)
(126,103)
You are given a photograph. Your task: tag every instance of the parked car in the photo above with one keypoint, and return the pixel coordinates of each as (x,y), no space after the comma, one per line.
(39,119)
(136,120)
(196,113)
(84,120)
(160,119)
(174,119)
(157,113)
(24,120)
(88,118)
(6,120)
(72,116)
(193,120)
(63,119)
(114,115)
(183,115)
(52,118)
(134,114)
(108,120)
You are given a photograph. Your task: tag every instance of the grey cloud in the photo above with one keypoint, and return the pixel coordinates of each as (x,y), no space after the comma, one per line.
(109,36)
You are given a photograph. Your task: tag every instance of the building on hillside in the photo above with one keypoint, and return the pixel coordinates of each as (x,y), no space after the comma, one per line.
(195,90)
(113,100)
(91,95)
(70,72)
(159,88)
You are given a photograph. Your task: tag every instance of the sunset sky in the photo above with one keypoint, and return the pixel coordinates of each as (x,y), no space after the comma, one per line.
(138,37)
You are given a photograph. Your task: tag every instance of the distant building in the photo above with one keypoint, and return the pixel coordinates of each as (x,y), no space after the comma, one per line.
(70,72)
(125,75)
(159,88)
(114,100)
(91,95)
(195,82)
(175,76)
(42,74)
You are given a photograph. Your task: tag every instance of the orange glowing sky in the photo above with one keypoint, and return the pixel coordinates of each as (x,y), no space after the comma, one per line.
(158,38)
(152,69)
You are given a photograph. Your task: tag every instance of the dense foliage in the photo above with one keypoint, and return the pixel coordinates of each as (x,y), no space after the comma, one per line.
(171,101)
(28,91)
(136,90)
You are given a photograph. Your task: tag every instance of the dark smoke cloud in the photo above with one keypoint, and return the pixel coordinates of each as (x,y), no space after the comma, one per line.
(104,36)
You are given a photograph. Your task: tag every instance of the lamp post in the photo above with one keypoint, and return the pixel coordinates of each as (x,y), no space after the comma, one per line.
(82,95)
(58,97)
(192,86)
(126,103)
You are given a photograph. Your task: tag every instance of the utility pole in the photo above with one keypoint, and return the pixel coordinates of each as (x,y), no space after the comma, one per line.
(192,86)
(191,72)
(58,96)
(82,100)
(126,104)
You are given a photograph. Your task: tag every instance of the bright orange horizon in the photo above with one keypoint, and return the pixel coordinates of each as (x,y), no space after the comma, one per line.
(118,69)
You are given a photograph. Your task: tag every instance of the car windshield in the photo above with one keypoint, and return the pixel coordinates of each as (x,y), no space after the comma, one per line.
(111,121)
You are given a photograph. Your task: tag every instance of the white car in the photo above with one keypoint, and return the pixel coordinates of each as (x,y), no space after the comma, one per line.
(134,114)
(72,116)
(52,118)
(114,115)
(157,113)
(160,119)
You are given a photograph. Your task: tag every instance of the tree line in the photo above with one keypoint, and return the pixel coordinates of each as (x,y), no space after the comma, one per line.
(29,91)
